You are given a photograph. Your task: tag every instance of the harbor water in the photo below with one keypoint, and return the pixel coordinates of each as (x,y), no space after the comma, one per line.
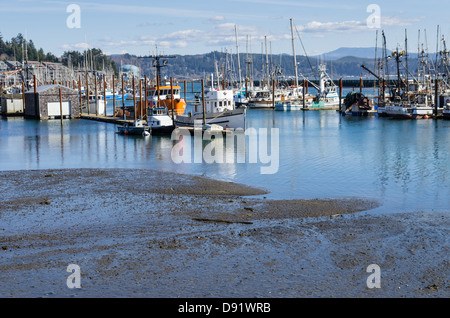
(404,164)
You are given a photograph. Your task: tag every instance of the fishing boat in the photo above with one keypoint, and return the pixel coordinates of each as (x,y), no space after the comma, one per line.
(446,112)
(166,96)
(159,120)
(444,101)
(356,104)
(138,128)
(294,104)
(264,98)
(219,109)
(327,96)
(403,109)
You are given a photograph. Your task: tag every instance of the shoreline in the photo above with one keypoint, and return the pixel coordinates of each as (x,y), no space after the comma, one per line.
(144,233)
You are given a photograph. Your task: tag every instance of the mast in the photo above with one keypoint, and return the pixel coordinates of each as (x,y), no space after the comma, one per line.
(406,61)
(238,60)
(293,52)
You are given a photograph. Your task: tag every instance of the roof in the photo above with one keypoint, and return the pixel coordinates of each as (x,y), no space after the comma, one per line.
(43,88)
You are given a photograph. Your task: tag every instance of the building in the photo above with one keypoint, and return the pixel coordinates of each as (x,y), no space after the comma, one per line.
(45,104)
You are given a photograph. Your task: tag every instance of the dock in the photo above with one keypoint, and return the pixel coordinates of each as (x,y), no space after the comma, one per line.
(106,119)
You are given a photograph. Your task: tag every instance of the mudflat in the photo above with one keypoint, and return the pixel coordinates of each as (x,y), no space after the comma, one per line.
(144,233)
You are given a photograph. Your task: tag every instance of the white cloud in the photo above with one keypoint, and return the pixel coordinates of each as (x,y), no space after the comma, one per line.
(75,46)
(215,19)
(351,26)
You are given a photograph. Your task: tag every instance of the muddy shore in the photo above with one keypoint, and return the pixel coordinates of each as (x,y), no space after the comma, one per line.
(143,233)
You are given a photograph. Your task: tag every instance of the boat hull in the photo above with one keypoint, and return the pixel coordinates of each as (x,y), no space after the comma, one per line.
(400,112)
(130,130)
(232,119)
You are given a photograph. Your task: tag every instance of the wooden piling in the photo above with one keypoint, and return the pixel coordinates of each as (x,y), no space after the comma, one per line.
(273,93)
(134,99)
(60,107)
(171,100)
(96,97)
(104,92)
(340,94)
(304,93)
(140,99)
(23,94)
(36,108)
(203,103)
(123,100)
(146,97)
(87,95)
(436,97)
(114,95)
(79,93)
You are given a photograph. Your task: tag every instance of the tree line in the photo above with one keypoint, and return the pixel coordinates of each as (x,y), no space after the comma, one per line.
(21,49)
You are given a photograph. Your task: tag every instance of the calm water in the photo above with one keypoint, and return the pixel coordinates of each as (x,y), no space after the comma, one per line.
(404,164)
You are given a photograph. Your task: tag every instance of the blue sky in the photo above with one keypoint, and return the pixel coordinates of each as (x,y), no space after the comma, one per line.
(195,27)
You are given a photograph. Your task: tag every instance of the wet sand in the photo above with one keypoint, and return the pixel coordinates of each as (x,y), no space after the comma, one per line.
(143,233)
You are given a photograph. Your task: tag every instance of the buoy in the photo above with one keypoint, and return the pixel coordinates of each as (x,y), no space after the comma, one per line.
(425,117)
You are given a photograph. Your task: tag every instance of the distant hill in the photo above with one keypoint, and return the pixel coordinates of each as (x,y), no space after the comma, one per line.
(344,62)
(361,52)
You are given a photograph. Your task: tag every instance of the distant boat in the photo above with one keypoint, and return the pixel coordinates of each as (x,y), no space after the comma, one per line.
(293,105)
(138,128)
(117,96)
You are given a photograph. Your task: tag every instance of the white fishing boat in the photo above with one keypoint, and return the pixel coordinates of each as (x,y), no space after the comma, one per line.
(219,109)
(159,120)
(402,109)
(294,104)
(263,98)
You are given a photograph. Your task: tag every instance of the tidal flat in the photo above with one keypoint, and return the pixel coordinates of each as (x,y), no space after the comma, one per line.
(147,233)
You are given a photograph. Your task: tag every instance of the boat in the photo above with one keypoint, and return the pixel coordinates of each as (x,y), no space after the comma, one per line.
(404,109)
(240,98)
(164,93)
(159,120)
(356,104)
(446,112)
(161,96)
(138,128)
(444,101)
(327,96)
(263,98)
(97,105)
(219,109)
(116,96)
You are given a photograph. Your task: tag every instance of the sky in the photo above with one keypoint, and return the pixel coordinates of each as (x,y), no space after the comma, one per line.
(195,27)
